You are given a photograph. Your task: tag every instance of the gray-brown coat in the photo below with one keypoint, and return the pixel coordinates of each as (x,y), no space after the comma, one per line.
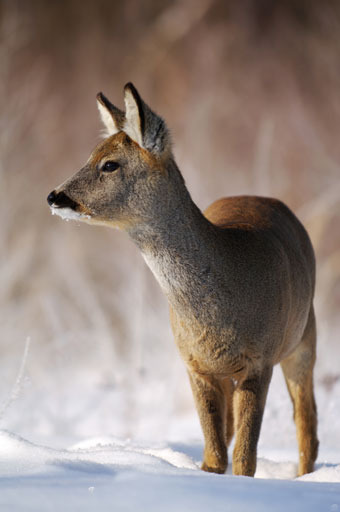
(239,280)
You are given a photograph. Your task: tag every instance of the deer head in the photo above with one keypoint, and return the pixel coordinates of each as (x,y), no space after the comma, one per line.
(122,182)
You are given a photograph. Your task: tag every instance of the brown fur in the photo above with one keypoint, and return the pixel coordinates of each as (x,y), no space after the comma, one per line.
(239,280)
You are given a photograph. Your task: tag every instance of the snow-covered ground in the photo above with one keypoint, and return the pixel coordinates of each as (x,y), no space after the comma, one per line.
(110,474)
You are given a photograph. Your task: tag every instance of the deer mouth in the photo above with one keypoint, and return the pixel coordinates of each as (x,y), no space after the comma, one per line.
(68,209)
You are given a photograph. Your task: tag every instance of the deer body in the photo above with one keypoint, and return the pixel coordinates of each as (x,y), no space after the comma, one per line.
(239,280)
(228,286)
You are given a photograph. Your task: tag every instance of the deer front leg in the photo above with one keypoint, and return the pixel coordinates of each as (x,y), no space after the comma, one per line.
(229,388)
(210,404)
(249,401)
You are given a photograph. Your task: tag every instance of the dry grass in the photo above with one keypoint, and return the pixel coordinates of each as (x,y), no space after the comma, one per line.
(252,97)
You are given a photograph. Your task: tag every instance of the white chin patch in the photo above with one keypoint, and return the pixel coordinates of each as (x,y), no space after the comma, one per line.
(69,214)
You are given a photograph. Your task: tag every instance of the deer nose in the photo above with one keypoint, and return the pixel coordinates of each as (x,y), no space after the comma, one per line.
(60,200)
(51,198)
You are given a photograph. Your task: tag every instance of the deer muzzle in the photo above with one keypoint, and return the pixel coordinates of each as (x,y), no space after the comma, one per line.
(61,200)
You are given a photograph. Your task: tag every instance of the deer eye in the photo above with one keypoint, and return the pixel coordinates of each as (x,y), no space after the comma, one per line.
(110,166)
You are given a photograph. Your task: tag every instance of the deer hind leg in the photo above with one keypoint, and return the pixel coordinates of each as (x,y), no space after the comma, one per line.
(210,403)
(298,372)
(249,401)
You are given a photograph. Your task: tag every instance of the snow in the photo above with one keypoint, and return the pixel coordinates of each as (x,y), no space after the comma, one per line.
(68,214)
(105,473)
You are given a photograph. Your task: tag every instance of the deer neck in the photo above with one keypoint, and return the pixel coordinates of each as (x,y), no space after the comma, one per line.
(176,247)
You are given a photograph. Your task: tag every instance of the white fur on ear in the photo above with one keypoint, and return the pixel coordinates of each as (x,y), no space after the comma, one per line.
(110,125)
(143,125)
(132,125)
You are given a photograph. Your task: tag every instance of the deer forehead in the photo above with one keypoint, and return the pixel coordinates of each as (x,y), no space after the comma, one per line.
(118,145)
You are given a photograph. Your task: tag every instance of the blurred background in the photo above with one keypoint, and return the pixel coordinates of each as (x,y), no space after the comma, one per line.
(251,93)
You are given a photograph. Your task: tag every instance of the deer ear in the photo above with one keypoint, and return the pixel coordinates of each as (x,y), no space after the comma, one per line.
(112,117)
(143,125)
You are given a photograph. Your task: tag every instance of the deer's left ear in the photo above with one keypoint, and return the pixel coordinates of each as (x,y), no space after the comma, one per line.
(143,125)
(112,117)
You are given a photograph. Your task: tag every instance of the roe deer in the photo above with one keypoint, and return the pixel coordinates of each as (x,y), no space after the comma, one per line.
(239,280)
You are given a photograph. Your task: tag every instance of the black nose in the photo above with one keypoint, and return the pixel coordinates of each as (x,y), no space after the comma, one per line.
(51,198)
(60,200)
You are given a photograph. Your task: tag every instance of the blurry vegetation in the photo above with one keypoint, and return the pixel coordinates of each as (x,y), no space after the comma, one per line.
(251,92)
